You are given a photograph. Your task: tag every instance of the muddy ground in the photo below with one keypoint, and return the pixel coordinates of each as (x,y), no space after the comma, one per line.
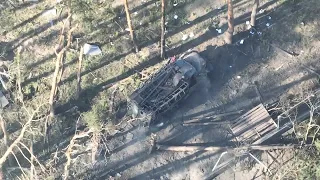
(286,41)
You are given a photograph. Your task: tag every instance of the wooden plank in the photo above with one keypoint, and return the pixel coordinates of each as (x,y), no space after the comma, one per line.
(249,112)
(252,115)
(253,109)
(263,116)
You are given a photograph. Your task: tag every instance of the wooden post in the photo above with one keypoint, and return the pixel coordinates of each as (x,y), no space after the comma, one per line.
(163,19)
(229,33)
(254,13)
(130,26)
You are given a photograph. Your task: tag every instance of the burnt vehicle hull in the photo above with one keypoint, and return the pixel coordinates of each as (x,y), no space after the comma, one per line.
(172,83)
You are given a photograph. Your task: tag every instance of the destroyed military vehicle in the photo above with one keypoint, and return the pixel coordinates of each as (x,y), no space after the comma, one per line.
(171,84)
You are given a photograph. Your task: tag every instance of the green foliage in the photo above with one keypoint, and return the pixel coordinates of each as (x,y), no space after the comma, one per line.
(96,116)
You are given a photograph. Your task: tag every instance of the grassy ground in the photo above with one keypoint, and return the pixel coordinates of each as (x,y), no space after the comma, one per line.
(120,70)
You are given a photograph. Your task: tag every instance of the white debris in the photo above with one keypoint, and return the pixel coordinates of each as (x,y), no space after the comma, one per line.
(259,33)
(252,32)
(135,13)
(184,37)
(247,22)
(118,175)
(91,50)
(268,24)
(175,16)
(219,8)
(191,35)
(166,23)
(219,31)
(3,100)
(269,17)
(242,41)
(58,1)
(230,66)
(160,124)
(187,22)
(129,136)
(50,12)
(140,23)
(238,77)
(175,4)
(127,29)
(261,11)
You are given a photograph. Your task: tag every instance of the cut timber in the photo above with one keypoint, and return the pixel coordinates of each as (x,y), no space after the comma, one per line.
(206,123)
(227,148)
(214,116)
(252,125)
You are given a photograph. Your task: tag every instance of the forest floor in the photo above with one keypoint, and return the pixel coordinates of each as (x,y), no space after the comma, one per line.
(283,25)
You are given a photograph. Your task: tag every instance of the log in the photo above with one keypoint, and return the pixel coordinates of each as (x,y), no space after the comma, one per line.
(206,123)
(182,148)
(214,116)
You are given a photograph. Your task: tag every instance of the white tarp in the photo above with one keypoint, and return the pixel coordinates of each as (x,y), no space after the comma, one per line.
(92,50)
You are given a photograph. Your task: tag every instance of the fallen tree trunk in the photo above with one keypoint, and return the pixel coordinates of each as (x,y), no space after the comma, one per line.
(214,116)
(182,148)
(206,123)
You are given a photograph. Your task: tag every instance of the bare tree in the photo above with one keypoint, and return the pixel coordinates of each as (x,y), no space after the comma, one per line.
(229,33)
(126,7)
(163,19)
(254,12)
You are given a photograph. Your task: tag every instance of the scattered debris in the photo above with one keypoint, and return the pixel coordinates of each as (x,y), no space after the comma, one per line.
(302,23)
(261,11)
(238,77)
(175,4)
(129,136)
(175,16)
(247,22)
(3,100)
(252,31)
(91,50)
(160,124)
(191,35)
(184,37)
(187,22)
(230,66)
(127,29)
(242,41)
(219,31)
(50,12)
(135,13)
(259,33)
(269,17)
(268,24)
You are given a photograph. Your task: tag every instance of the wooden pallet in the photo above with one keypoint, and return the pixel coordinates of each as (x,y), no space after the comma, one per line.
(253,125)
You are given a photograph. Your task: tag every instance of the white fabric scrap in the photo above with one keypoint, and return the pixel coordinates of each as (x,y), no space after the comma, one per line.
(242,41)
(219,31)
(184,37)
(91,50)
(175,16)
(50,12)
